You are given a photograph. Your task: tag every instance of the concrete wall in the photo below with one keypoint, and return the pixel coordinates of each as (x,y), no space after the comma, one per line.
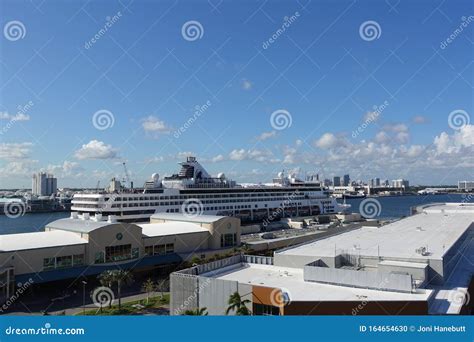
(214,295)
(226,225)
(31,261)
(108,236)
(183,243)
(183,293)
(363,279)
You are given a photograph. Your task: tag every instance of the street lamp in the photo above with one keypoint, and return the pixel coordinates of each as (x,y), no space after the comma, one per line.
(84,283)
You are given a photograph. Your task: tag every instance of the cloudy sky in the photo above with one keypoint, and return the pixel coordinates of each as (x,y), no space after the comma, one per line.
(369,88)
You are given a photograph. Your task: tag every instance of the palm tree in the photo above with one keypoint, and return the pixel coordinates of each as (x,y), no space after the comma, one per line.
(163,286)
(106,278)
(196,312)
(148,287)
(238,305)
(121,277)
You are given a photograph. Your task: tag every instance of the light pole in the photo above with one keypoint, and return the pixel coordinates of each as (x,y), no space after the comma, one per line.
(84,283)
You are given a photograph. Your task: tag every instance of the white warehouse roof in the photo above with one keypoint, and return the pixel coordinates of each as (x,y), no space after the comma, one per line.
(170,228)
(437,229)
(17,242)
(187,218)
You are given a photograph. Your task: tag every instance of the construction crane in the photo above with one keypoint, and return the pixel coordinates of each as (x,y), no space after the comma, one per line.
(126,178)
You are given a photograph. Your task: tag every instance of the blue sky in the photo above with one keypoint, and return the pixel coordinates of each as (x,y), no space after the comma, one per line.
(321,71)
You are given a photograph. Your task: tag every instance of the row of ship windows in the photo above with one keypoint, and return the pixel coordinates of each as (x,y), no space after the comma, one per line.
(155,198)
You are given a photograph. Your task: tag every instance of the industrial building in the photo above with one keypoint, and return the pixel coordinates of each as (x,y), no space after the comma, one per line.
(43,184)
(83,246)
(422,264)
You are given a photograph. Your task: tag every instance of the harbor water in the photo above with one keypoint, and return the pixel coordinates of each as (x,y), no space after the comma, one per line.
(391,208)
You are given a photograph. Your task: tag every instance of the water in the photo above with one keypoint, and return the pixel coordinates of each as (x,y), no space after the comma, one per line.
(400,206)
(392,207)
(28,222)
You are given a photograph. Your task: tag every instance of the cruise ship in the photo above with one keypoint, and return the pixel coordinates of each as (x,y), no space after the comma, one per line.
(194,191)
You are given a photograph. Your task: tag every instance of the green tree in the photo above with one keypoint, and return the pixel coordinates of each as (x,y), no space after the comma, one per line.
(106,278)
(196,312)
(148,287)
(238,305)
(120,277)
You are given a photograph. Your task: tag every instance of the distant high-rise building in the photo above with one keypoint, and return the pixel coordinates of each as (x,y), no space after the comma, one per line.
(377,182)
(346,180)
(44,184)
(336,181)
(327,182)
(400,183)
(466,185)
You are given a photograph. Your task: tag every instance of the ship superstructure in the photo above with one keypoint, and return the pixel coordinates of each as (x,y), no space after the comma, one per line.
(194,191)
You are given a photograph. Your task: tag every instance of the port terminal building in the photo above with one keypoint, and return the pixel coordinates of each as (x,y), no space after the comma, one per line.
(81,246)
(422,264)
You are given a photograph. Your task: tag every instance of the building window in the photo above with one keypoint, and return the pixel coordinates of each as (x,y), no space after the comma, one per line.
(169,248)
(135,252)
(99,258)
(160,250)
(265,310)
(48,264)
(78,259)
(149,250)
(118,253)
(228,240)
(64,261)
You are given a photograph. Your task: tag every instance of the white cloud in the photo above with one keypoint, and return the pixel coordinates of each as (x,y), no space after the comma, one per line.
(382,137)
(419,119)
(16,117)
(399,127)
(67,168)
(246,84)
(266,135)
(253,154)
(11,151)
(153,124)
(464,138)
(402,137)
(217,158)
(328,140)
(96,150)
(21,168)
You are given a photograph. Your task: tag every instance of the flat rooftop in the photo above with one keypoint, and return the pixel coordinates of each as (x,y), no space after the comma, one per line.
(187,218)
(291,281)
(437,228)
(23,241)
(170,228)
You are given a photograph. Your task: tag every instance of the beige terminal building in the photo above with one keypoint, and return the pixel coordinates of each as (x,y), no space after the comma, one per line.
(82,246)
(422,264)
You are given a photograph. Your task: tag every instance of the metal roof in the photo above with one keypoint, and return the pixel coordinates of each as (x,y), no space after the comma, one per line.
(170,228)
(81,226)
(187,218)
(23,241)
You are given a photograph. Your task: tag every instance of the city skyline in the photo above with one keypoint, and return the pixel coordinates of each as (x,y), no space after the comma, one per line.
(249,89)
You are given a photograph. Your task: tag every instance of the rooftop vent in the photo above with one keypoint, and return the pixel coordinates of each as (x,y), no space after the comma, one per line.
(419,229)
(98,217)
(111,219)
(422,251)
(74,215)
(85,216)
